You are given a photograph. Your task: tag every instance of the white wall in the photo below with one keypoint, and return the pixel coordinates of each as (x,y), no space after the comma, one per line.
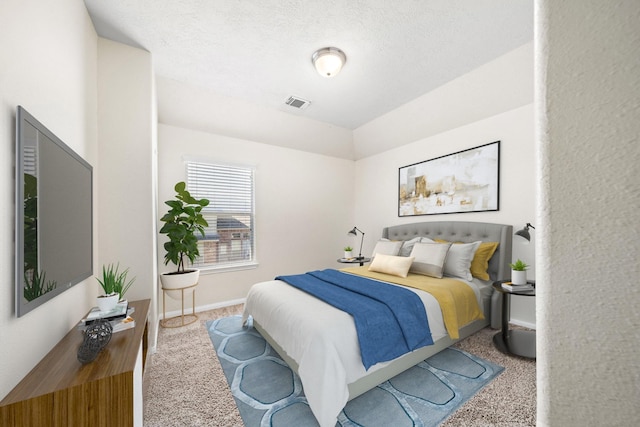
(588,81)
(377,184)
(48,52)
(304,206)
(202,109)
(126,182)
(500,85)
(432,126)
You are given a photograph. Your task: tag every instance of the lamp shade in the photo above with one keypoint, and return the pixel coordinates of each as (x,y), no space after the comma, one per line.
(328,61)
(525,232)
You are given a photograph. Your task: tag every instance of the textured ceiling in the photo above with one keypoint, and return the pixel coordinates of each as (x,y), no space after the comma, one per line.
(260,51)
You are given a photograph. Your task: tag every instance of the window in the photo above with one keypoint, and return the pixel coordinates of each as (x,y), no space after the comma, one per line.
(229,239)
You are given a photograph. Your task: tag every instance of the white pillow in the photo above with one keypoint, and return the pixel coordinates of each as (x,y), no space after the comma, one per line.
(459,257)
(429,258)
(389,264)
(407,246)
(386,247)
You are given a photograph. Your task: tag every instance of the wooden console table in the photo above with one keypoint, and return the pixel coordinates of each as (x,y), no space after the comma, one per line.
(60,391)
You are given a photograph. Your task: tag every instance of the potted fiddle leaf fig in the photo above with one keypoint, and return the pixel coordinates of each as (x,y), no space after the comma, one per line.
(181,223)
(519,272)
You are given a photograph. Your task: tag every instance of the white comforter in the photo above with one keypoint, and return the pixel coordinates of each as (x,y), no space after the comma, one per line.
(322,340)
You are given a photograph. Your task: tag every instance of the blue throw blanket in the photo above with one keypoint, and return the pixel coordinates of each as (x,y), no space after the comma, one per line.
(390,320)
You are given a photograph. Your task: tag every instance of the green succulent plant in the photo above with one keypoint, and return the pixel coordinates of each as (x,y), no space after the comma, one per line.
(115,281)
(519,265)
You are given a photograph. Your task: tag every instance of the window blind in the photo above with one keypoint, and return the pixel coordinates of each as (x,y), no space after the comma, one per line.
(229,239)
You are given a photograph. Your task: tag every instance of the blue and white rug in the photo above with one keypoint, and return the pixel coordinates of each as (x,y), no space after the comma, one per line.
(268,393)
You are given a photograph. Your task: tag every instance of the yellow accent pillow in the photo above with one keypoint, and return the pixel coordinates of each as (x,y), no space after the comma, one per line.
(390,264)
(480,262)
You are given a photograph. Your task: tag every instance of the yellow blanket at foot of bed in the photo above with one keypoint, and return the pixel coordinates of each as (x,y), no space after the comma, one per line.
(457,300)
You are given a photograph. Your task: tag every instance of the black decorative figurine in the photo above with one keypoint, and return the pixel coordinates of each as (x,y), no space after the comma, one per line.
(96,337)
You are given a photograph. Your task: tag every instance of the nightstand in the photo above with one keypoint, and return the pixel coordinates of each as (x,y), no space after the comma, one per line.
(360,261)
(514,341)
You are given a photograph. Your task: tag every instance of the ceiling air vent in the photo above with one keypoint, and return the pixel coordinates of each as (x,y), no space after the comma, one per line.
(298,103)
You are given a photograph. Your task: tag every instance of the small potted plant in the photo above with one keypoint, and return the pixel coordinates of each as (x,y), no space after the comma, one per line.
(181,223)
(347,252)
(114,284)
(519,272)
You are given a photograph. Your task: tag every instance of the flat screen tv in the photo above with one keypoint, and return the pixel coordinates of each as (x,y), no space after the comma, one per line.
(54,215)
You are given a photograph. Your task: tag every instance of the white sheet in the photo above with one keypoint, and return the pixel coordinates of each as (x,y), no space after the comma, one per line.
(322,340)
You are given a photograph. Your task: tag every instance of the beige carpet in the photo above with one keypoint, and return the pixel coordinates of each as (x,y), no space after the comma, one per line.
(185,386)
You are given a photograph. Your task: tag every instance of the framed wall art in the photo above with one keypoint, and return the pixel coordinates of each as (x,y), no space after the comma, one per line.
(466,181)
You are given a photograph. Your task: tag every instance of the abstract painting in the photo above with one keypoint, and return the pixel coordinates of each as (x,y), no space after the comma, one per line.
(465,181)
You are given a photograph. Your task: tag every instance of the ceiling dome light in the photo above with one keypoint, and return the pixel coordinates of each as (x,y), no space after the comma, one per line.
(328,61)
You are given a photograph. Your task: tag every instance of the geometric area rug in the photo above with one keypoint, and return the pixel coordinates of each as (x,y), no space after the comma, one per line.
(269,394)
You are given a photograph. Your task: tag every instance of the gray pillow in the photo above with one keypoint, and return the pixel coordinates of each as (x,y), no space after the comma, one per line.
(429,258)
(459,257)
(407,246)
(386,247)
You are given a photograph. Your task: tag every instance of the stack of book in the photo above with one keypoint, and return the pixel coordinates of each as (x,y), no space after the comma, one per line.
(120,317)
(517,288)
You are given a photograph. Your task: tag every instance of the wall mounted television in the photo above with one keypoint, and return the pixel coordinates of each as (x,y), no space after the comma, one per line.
(54,215)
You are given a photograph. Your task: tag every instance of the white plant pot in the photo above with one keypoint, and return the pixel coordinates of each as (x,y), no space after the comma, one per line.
(519,277)
(107,303)
(348,254)
(180,281)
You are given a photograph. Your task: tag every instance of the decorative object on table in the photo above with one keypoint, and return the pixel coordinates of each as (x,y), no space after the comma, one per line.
(107,302)
(120,311)
(519,272)
(268,392)
(119,318)
(96,337)
(466,181)
(354,231)
(525,232)
(114,285)
(512,287)
(123,324)
(348,252)
(181,223)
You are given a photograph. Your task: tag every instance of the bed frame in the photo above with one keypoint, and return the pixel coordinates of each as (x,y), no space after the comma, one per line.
(454,231)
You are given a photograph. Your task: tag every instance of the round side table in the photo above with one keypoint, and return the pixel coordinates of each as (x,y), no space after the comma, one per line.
(356,260)
(514,341)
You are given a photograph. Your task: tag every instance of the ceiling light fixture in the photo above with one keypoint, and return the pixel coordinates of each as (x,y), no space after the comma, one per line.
(328,61)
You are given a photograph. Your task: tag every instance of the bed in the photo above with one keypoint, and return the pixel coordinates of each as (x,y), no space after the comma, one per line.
(320,341)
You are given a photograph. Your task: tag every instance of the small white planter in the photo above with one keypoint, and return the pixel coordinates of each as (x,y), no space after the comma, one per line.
(178,282)
(108,302)
(518,277)
(348,254)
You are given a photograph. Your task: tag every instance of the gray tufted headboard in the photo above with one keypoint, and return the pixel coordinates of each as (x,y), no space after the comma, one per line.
(462,231)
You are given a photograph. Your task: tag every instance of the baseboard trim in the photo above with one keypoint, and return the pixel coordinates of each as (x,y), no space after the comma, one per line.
(523,324)
(206,307)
